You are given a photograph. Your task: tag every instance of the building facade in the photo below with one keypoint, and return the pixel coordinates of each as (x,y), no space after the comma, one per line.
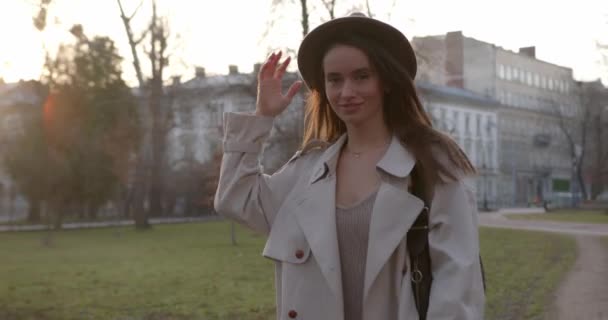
(468,117)
(198,106)
(471,120)
(535,162)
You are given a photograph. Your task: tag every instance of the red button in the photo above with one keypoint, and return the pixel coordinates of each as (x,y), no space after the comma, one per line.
(292,314)
(299,254)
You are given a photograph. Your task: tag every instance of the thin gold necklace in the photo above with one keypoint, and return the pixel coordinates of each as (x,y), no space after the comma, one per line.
(357,155)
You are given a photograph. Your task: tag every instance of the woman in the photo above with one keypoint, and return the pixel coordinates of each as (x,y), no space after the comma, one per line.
(337,214)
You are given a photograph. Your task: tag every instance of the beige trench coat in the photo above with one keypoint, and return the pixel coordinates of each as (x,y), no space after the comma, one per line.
(295,208)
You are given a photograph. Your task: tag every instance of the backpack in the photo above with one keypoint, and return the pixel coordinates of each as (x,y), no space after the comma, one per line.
(418,248)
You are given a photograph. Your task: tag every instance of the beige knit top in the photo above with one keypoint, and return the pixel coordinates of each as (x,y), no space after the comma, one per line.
(353,234)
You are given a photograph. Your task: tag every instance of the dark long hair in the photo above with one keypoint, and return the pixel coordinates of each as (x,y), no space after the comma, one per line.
(403,115)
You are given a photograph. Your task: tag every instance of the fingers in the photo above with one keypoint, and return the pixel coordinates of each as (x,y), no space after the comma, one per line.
(293,90)
(266,70)
(272,65)
(272,69)
(280,70)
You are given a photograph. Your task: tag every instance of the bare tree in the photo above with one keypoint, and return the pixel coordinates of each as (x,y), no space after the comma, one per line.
(133,43)
(594,97)
(573,123)
(330,5)
(369,10)
(40,23)
(277,5)
(148,182)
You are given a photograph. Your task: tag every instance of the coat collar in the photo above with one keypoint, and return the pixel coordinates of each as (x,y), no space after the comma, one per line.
(398,161)
(393,213)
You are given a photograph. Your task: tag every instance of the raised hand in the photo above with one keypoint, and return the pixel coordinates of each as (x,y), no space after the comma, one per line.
(271,101)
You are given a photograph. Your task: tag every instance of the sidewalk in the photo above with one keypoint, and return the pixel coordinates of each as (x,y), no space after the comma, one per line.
(498,220)
(105,224)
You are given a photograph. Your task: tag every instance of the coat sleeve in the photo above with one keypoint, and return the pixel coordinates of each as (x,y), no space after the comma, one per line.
(244,193)
(457,291)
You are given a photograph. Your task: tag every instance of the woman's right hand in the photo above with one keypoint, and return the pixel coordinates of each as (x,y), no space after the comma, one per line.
(271,101)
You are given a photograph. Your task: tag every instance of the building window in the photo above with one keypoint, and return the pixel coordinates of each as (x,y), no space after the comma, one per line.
(217,109)
(536,80)
(543,82)
(489,127)
(478,129)
(515,73)
(467,128)
(508,73)
(467,147)
(529,78)
(479,152)
(489,188)
(550,84)
(490,155)
(521,100)
(456,115)
(501,71)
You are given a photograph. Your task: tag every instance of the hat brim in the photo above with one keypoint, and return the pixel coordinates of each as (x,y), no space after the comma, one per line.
(311,49)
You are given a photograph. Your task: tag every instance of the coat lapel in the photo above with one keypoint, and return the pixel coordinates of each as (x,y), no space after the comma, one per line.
(395,210)
(316,216)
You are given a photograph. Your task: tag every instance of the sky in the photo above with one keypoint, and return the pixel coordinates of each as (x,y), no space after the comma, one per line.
(216,33)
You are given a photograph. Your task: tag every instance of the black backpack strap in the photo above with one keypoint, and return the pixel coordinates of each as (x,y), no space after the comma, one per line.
(418,247)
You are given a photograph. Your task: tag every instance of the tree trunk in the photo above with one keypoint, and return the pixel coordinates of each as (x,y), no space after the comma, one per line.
(156,179)
(138,192)
(57,212)
(126,201)
(158,148)
(598,174)
(136,197)
(580,179)
(232,234)
(305,25)
(33,214)
(81,209)
(92,211)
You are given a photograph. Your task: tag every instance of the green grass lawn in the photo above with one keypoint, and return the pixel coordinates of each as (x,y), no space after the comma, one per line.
(523,269)
(578,216)
(191,271)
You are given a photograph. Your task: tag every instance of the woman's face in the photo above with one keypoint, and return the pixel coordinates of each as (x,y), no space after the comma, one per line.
(352,85)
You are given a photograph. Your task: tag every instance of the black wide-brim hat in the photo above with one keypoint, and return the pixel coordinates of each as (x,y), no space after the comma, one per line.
(316,41)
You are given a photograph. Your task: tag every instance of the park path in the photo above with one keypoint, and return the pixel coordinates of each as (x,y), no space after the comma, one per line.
(583,294)
(498,220)
(105,224)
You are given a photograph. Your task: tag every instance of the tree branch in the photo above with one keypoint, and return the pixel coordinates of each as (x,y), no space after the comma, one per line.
(133,44)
